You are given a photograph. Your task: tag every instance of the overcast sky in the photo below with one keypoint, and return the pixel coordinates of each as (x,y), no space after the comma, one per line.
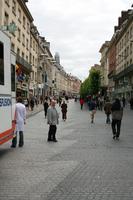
(77,29)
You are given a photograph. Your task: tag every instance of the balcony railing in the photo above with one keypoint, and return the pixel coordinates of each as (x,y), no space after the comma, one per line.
(24,63)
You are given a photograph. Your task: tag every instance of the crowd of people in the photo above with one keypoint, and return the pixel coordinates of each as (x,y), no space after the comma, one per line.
(114,109)
(50,113)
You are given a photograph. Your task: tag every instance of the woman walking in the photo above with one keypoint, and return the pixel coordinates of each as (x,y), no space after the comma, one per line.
(64,110)
(117,114)
(81,103)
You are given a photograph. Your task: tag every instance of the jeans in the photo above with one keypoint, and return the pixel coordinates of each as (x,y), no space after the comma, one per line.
(116,125)
(52,133)
(21,139)
(108,119)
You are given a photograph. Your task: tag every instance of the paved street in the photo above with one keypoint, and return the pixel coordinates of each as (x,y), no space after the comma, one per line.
(85,163)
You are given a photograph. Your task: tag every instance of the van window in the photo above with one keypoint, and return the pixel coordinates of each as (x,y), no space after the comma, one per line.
(1,63)
(13,78)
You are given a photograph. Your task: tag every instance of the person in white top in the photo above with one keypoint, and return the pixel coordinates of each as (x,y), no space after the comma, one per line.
(20,121)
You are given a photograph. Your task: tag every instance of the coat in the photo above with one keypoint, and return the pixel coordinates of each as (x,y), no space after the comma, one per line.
(117,114)
(107,108)
(64,107)
(53,116)
(20,116)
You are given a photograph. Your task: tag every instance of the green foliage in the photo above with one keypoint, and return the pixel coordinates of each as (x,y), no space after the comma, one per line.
(91,85)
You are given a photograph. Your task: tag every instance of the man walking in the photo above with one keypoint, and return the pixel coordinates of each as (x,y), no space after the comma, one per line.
(52,120)
(45,106)
(20,121)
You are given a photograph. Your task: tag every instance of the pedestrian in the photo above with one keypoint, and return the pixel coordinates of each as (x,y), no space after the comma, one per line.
(32,103)
(107,109)
(117,114)
(131,103)
(45,106)
(101,103)
(123,101)
(92,108)
(20,121)
(52,120)
(81,103)
(60,100)
(64,110)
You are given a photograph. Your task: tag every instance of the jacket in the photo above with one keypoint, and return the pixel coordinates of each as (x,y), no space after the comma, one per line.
(107,108)
(117,114)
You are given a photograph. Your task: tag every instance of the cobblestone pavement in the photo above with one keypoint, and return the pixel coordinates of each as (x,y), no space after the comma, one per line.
(84,164)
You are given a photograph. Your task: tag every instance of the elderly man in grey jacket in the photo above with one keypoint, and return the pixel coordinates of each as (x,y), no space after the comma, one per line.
(52,120)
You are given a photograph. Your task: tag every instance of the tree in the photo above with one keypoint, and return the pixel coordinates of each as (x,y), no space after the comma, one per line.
(94,81)
(91,84)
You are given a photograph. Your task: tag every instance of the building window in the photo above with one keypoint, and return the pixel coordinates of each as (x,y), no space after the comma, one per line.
(131,32)
(19,35)
(13,47)
(18,51)
(33,45)
(7,2)
(131,46)
(24,21)
(30,58)
(33,60)
(1,64)
(13,78)
(27,44)
(14,7)
(23,55)
(19,15)
(6,19)
(23,41)
(27,58)
(28,28)
(31,42)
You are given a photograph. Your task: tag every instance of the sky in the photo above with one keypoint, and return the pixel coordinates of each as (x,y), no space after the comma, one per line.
(76,29)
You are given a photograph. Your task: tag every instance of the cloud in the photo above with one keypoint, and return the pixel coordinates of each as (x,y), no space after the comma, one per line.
(77,28)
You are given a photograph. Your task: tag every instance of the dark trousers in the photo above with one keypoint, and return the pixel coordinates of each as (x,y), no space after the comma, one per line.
(64,115)
(52,133)
(81,106)
(116,125)
(45,112)
(108,118)
(21,139)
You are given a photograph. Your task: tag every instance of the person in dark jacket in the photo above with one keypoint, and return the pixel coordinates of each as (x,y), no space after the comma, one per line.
(117,114)
(107,109)
(64,110)
(131,103)
(45,106)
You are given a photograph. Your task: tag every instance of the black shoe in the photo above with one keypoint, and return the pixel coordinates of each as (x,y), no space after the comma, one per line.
(20,145)
(12,146)
(114,137)
(55,140)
